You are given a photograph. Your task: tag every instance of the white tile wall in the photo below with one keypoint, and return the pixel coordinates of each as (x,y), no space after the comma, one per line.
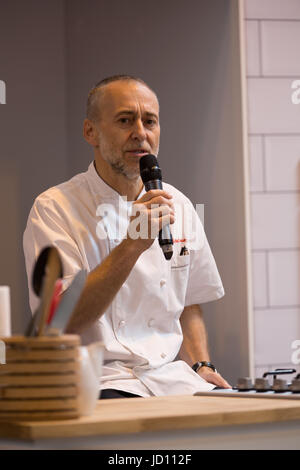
(273,64)
(284,278)
(253,50)
(270,108)
(259,279)
(256,163)
(272,9)
(275,221)
(275,330)
(280,47)
(282,163)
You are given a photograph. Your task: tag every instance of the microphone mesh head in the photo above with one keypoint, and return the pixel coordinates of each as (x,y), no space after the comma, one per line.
(149,168)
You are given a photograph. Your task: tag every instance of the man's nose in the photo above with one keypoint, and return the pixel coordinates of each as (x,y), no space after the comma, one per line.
(139,131)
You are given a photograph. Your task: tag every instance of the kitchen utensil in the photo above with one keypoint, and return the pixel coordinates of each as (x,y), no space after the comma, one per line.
(37,282)
(52,273)
(67,304)
(55,299)
(40,270)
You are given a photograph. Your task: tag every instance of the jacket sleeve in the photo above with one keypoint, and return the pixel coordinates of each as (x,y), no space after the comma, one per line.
(48,225)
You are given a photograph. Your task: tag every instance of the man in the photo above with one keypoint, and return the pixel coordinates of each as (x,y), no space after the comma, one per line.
(145,308)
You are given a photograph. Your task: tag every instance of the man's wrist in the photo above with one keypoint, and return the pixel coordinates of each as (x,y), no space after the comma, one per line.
(138,245)
(132,246)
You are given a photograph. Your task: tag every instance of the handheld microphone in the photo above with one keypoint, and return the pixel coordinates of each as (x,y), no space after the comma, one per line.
(151,177)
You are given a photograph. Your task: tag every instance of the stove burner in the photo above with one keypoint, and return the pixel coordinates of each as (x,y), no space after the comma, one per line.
(262,387)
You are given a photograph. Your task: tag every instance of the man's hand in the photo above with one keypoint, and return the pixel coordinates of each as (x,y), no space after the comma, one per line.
(150,214)
(194,346)
(213,377)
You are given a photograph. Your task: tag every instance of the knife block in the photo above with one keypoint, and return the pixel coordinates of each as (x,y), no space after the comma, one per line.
(40,379)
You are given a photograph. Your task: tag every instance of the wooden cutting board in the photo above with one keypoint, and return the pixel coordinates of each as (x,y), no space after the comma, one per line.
(138,415)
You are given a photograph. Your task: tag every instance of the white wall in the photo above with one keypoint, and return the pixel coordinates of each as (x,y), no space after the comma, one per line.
(273,63)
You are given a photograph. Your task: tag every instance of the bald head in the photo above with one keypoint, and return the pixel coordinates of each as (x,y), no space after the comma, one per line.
(95,96)
(122,126)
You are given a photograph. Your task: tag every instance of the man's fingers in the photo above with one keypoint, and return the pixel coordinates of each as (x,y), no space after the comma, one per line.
(166,220)
(161,211)
(220,382)
(153,211)
(154,193)
(214,378)
(157,221)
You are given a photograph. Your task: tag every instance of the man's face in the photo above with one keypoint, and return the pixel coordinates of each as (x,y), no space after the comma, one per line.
(128,126)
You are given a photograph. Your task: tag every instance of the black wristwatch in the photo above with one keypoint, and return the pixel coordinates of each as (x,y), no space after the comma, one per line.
(198,366)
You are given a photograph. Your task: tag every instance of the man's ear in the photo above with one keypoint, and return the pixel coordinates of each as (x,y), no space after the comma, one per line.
(90,132)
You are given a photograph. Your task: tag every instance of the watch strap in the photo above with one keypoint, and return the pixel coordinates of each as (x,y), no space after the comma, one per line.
(200,364)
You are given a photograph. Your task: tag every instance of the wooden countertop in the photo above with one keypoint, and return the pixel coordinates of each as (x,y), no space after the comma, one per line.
(137,415)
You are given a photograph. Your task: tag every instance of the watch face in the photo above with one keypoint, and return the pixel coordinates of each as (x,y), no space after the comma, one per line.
(196,366)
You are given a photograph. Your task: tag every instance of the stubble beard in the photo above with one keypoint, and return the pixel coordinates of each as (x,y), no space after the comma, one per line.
(116,161)
(120,167)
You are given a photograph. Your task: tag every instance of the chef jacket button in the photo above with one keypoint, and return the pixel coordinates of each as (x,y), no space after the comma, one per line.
(151,322)
(121,323)
(162,282)
(163,355)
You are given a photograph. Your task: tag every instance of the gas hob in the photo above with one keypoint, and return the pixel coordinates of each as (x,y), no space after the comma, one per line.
(261,387)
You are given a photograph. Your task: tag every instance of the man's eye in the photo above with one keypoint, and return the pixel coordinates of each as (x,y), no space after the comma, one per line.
(150,122)
(124,120)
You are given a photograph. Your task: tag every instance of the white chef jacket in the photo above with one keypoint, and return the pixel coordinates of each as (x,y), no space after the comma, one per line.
(141,329)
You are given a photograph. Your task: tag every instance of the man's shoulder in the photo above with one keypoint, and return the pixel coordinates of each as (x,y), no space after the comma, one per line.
(69,189)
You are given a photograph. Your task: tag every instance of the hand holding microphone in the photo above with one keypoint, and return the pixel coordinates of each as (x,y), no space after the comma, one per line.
(156,208)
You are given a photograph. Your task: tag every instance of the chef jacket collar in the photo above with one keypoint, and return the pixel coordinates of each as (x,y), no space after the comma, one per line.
(98,185)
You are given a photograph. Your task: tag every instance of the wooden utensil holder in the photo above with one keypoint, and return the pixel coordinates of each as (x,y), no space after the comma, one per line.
(40,379)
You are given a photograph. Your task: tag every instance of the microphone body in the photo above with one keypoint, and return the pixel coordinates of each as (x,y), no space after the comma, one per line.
(151,176)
